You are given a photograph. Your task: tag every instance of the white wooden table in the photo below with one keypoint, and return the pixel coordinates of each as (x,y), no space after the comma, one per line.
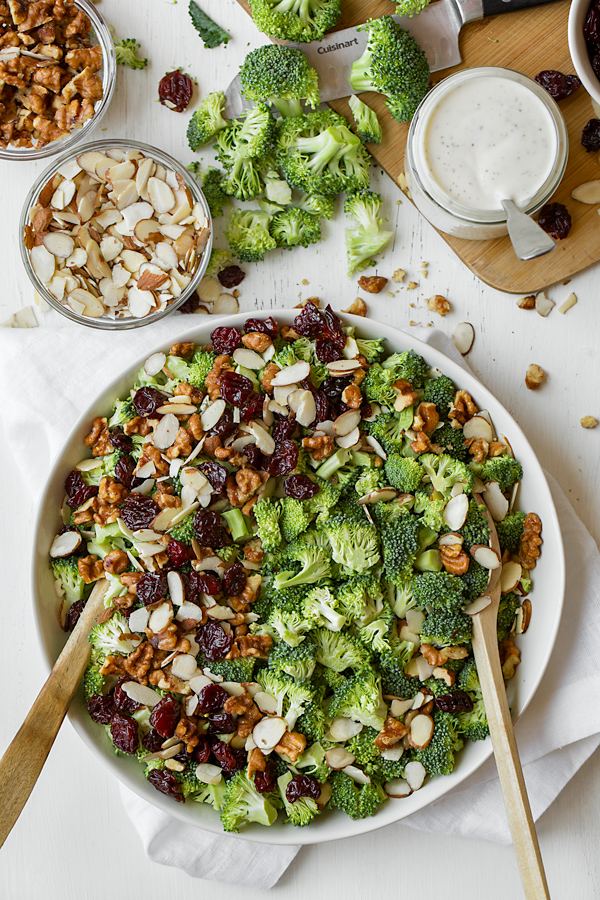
(74,839)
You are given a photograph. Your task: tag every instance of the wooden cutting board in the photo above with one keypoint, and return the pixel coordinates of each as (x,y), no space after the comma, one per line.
(528,41)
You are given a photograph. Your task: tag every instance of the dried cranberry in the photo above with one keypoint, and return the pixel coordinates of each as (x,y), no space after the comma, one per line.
(265,326)
(152,587)
(216,474)
(147,400)
(101,709)
(254,456)
(202,582)
(235,388)
(80,496)
(190,305)
(231,276)
(225,426)
(283,460)
(234,580)
(302,786)
(595,60)
(455,702)
(72,616)
(165,716)
(300,487)
(175,90)
(333,387)
(284,428)
(74,482)
(327,351)
(152,741)
(202,751)
(309,322)
(590,137)
(124,732)
(266,782)
(366,410)
(209,530)
(210,698)
(591,27)
(214,642)
(123,703)
(558,85)
(177,553)
(139,511)
(124,470)
(555,219)
(224,754)
(220,723)
(333,328)
(252,407)
(121,441)
(165,782)
(322,407)
(226,340)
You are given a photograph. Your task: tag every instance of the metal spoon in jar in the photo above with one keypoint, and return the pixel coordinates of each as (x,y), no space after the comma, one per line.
(526,236)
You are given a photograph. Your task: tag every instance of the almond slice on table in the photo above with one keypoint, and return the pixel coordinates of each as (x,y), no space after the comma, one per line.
(268,732)
(588,192)
(225,305)
(463,337)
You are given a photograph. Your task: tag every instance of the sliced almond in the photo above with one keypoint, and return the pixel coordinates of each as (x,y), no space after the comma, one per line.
(160,195)
(247,358)
(225,305)
(89,160)
(477,605)
(414,620)
(380,495)
(138,620)
(160,618)
(43,263)
(133,214)
(155,363)
(141,693)
(455,511)
(588,192)
(463,337)
(292,375)
(132,260)
(339,758)
(110,247)
(268,732)
(510,577)
(568,304)
(347,422)
(266,703)
(415,774)
(342,729)
(176,590)
(59,244)
(92,306)
(220,613)
(212,414)
(166,432)
(495,501)
(397,788)
(372,442)
(184,666)
(357,774)
(399,707)
(543,304)
(208,774)
(478,427)
(349,440)
(451,539)
(65,544)
(264,441)
(306,410)
(343,367)
(198,682)
(485,556)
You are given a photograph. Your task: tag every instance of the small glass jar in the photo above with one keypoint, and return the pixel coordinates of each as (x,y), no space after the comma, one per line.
(100,34)
(105,322)
(445,212)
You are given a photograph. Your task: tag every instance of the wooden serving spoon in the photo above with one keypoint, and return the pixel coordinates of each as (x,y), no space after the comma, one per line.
(510,773)
(24,759)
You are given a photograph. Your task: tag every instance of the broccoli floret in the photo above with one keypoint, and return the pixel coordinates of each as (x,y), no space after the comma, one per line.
(439,590)
(360,698)
(313,761)
(440,391)
(368,127)
(408,365)
(403,598)
(123,412)
(403,473)
(207,120)
(319,154)
(257,131)
(314,560)
(393,679)
(268,514)
(217,199)
(507,610)
(410,7)
(389,427)
(475,580)
(114,636)
(240,669)
(475,529)
(361,598)
(105,468)
(392,64)
(363,747)
(284,625)
(445,472)
(229,553)
(317,205)
(438,757)
(242,179)
(320,608)
(340,651)
(357,801)
(452,441)
(126,54)
(292,697)
(468,678)
(400,543)
(66,572)
(379,386)
(354,544)
(184,532)
(295,227)
(509,531)
(247,234)
(214,794)
(303,810)
(312,725)
(295,518)
(93,681)
(473,725)
(323,503)
(219,259)
(295,20)
(503,469)
(298,662)
(281,75)
(430,506)
(364,235)
(370,480)
(242,803)
(372,350)
(445,627)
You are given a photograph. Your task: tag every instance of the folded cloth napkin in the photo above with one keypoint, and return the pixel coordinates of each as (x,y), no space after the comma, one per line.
(59,371)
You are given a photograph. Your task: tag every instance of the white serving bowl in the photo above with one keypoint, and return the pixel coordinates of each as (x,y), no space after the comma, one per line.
(536,645)
(578,50)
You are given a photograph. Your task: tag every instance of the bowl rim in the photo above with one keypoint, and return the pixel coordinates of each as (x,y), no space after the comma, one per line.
(158,155)
(109,79)
(287,835)
(578,50)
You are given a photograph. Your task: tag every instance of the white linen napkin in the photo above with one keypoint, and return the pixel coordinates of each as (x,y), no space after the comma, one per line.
(60,371)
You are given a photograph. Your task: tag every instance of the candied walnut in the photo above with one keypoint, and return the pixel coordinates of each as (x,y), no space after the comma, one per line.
(426,418)
(245,723)
(358,308)
(79,26)
(373,284)
(320,446)
(99,438)
(85,513)
(256,761)
(534,377)
(224,453)
(437,657)
(253,550)
(588,422)
(165,497)
(463,409)
(83,57)
(439,305)
(115,562)
(124,602)
(86,83)
(49,77)
(510,657)
(195,428)
(137,425)
(150,453)
(130,580)
(256,340)
(238,706)
(269,373)
(37,13)
(479,449)
(496,449)
(352,396)
(454,559)
(288,334)
(248,481)
(525,616)
(405,395)
(254,645)
(392,732)
(110,491)
(106,513)
(247,507)
(421,444)
(531,541)
(221,364)
(139,662)
(182,445)
(184,349)
(292,744)
(187,732)
(113,665)
(527,302)
(195,395)
(90,568)
(442,674)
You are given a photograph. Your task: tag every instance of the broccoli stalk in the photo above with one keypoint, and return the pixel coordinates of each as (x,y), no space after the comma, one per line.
(364,237)
(367,123)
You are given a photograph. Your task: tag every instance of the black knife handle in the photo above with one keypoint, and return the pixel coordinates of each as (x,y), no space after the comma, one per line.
(496,7)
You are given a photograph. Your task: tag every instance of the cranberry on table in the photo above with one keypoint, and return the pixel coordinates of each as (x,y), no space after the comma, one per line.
(165,716)
(210,698)
(558,85)
(146,401)
(152,587)
(124,732)
(214,642)
(139,511)
(455,702)
(231,276)
(101,709)
(303,786)
(165,782)
(300,487)
(72,617)
(175,90)
(555,219)
(590,137)
(190,305)
(226,340)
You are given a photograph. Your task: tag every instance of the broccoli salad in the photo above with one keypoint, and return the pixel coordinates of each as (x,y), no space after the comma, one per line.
(288,523)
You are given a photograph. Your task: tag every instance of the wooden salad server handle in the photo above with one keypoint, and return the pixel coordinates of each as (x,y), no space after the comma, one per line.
(24,759)
(510,773)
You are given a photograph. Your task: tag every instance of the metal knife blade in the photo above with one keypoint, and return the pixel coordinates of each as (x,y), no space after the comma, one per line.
(436,29)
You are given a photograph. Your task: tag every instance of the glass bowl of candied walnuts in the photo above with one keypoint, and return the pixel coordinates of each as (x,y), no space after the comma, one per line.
(58,71)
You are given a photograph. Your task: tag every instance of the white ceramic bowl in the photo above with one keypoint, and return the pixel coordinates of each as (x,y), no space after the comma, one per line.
(578,50)
(537,644)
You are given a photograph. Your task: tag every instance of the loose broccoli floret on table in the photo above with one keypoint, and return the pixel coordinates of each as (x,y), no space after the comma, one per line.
(392,64)
(360,698)
(303,810)
(217,199)
(126,54)
(317,205)
(207,120)
(66,572)
(295,20)
(438,757)
(357,801)
(242,179)
(247,234)
(295,228)
(368,127)
(410,7)
(282,76)
(509,531)
(403,473)
(365,237)
(242,803)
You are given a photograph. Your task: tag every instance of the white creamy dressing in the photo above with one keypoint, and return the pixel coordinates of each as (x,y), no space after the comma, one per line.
(490,139)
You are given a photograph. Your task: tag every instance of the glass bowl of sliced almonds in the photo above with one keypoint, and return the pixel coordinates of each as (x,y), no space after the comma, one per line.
(115,235)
